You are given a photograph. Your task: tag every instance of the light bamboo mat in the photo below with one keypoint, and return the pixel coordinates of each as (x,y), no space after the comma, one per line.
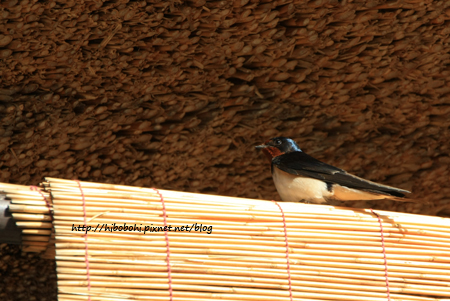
(247,249)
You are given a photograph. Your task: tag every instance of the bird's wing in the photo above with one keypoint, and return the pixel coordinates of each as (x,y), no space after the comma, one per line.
(301,164)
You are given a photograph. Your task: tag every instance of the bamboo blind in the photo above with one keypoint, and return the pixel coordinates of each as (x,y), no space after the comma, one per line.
(248,249)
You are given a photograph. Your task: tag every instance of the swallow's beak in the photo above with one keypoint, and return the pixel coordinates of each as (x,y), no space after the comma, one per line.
(261,146)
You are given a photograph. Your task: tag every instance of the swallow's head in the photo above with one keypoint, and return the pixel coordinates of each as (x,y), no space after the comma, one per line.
(278,146)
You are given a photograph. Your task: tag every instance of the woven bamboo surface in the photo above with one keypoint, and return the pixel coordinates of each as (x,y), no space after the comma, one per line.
(247,249)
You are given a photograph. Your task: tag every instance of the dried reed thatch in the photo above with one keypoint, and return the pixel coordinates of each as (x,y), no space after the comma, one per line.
(239,249)
(173,94)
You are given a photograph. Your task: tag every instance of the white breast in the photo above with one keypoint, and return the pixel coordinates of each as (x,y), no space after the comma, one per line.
(293,188)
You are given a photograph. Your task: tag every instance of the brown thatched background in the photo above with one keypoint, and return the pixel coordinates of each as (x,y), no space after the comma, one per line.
(175,95)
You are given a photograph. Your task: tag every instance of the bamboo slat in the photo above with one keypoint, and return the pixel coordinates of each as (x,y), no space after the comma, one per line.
(335,253)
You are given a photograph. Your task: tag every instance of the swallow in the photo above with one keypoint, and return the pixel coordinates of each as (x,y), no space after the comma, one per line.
(299,177)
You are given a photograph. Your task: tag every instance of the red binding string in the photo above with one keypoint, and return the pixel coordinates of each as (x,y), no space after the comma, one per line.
(384,254)
(86,251)
(169,271)
(287,249)
(47,203)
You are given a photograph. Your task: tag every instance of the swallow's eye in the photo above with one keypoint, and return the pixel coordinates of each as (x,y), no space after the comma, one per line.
(278,142)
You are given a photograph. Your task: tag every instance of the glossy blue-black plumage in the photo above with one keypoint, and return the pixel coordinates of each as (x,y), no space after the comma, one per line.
(291,159)
(285,145)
